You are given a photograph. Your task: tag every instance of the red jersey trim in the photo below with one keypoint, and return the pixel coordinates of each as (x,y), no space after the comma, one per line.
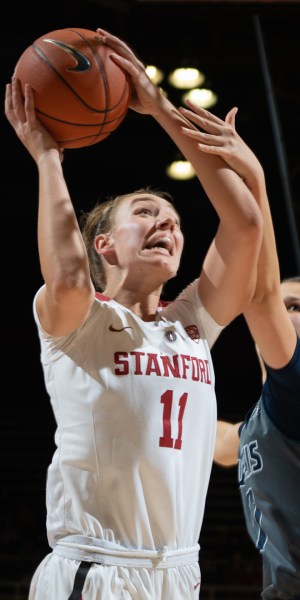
(103,298)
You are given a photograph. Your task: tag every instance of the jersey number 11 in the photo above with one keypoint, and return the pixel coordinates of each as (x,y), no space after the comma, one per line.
(167,440)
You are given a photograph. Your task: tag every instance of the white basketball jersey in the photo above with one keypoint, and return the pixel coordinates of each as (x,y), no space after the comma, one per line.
(135,408)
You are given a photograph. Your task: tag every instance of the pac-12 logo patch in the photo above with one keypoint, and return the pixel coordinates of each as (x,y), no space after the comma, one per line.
(193,333)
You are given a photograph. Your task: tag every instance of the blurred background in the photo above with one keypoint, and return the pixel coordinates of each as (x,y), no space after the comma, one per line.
(249,54)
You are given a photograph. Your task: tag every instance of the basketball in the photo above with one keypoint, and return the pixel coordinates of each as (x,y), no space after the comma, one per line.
(81,96)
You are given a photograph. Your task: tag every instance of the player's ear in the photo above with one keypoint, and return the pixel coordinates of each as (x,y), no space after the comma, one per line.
(103,244)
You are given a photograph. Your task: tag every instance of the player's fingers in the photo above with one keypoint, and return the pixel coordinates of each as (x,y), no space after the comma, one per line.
(120,46)
(29,106)
(8,99)
(132,69)
(9,108)
(17,100)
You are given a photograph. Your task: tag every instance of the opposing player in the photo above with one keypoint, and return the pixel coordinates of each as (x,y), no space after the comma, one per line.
(130,378)
(267,444)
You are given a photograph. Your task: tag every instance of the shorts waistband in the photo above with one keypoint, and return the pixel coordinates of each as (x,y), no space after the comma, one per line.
(107,553)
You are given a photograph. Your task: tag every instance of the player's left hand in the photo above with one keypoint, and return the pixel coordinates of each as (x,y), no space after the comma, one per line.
(145,96)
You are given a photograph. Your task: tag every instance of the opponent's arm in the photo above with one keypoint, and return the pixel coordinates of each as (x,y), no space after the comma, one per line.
(267,317)
(227,444)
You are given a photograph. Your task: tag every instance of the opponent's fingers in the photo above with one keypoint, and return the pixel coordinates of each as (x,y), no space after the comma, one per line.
(219,150)
(204,138)
(202,121)
(213,124)
(230,117)
(204,112)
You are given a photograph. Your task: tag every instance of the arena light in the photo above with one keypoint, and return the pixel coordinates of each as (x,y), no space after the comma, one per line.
(201,97)
(186,78)
(155,74)
(180,170)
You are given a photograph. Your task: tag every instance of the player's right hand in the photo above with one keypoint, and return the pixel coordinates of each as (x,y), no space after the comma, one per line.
(21,114)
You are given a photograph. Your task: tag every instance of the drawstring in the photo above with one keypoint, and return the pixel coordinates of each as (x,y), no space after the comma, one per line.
(79,580)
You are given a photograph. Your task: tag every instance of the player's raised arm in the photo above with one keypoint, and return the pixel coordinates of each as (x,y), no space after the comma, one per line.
(65,300)
(226,287)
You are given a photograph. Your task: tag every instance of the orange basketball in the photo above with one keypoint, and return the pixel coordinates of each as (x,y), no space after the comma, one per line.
(81,95)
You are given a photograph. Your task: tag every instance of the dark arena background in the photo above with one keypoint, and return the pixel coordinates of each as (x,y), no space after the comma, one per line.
(249,52)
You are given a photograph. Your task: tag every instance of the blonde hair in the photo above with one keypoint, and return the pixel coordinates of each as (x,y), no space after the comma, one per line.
(295,279)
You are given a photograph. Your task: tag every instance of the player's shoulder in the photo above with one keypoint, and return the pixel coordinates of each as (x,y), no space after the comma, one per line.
(290,370)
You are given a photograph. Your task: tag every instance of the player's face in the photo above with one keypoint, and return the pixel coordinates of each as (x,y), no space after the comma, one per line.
(147,237)
(290,291)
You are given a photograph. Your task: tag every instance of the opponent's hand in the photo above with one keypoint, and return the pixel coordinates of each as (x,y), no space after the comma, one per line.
(21,114)
(145,96)
(220,137)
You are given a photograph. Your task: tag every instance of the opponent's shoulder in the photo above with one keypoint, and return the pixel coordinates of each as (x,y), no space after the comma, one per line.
(281,396)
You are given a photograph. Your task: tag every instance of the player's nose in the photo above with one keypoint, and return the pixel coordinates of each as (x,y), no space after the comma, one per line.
(165,222)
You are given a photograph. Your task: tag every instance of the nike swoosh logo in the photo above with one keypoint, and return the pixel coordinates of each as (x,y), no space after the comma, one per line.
(112,328)
(83,63)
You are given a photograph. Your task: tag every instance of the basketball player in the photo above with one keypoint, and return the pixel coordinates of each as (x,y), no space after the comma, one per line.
(267,448)
(130,378)
(267,444)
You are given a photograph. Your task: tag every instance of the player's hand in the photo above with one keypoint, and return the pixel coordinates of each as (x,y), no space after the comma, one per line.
(21,114)
(145,96)
(220,137)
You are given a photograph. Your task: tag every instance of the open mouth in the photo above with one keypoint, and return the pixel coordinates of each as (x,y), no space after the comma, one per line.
(163,245)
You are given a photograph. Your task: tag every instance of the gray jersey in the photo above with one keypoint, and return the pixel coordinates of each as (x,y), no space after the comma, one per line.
(269,479)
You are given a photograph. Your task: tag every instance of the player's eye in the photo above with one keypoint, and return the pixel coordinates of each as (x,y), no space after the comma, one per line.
(293,307)
(143,210)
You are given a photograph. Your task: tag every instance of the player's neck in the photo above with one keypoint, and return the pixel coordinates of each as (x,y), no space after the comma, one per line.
(142,304)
